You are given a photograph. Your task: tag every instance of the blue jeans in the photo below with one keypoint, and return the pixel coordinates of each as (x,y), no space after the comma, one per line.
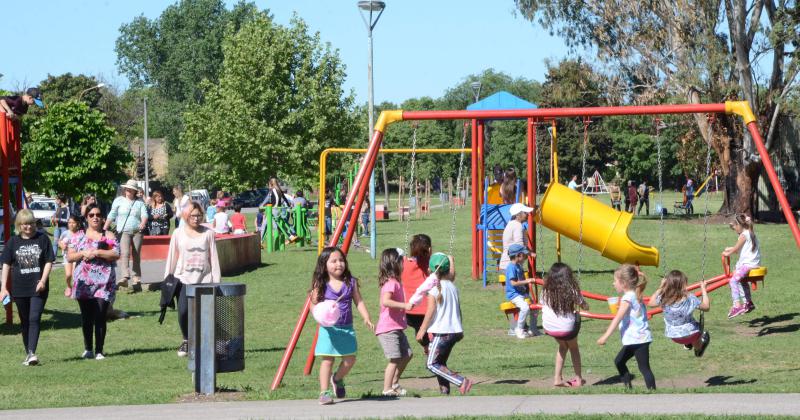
(56,235)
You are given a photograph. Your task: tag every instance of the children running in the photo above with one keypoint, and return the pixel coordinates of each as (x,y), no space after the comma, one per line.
(749,258)
(678,305)
(332,281)
(443,321)
(561,296)
(517,290)
(391,325)
(633,326)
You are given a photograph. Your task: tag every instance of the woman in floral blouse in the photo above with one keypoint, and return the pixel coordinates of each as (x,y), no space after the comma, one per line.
(160,215)
(94,279)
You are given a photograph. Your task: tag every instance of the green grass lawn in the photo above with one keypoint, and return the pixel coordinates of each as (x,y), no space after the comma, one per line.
(753,353)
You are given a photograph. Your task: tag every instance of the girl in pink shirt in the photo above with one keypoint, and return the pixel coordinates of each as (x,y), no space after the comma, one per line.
(392,321)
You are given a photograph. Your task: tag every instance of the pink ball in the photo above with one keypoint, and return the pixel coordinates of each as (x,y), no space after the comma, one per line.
(326,313)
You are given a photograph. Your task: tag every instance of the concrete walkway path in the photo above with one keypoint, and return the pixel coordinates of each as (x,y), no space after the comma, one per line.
(708,404)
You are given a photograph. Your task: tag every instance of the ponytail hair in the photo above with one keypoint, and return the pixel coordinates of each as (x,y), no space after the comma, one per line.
(746,222)
(632,279)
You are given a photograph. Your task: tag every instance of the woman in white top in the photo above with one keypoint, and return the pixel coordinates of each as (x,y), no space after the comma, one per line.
(180,203)
(192,259)
(514,232)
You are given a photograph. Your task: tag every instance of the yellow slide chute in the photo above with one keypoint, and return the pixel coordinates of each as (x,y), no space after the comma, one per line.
(604,229)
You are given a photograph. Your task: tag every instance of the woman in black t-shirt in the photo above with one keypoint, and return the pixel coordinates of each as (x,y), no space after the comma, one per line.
(28,258)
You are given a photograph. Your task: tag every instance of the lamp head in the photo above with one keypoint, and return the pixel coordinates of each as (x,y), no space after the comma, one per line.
(371,6)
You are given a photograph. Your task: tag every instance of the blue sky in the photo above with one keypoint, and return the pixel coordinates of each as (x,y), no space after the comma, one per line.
(421,47)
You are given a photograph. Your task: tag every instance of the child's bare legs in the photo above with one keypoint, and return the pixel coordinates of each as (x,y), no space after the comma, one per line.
(401,366)
(325,368)
(575,353)
(558,379)
(344,368)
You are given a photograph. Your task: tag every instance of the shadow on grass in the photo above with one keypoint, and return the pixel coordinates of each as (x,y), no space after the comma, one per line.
(779,330)
(727,381)
(246,270)
(126,352)
(612,380)
(512,381)
(768,320)
(12,329)
(61,319)
(266,350)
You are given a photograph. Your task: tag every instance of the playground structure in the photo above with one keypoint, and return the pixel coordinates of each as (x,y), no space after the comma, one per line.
(604,232)
(276,231)
(11,173)
(323,169)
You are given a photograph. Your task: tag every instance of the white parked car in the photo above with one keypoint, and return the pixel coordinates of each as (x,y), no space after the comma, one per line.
(43,209)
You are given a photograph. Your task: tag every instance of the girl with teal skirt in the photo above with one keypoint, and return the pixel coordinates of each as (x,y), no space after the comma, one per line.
(332,281)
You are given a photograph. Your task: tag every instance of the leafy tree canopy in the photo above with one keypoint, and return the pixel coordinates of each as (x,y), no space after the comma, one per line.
(278,104)
(66,87)
(71,150)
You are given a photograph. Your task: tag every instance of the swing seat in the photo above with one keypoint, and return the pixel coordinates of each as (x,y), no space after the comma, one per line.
(509,308)
(756,275)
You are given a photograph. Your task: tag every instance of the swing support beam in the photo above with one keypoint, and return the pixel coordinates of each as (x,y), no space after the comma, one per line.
(355,197)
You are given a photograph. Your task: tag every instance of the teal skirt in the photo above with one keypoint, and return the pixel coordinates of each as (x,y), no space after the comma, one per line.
(336,341)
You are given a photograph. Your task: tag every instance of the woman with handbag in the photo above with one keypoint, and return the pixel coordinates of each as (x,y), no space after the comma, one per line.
(160,214)
(130,217)
(192,259)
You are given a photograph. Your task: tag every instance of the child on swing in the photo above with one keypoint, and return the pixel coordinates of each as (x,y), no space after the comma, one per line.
(749,258)
(678,305)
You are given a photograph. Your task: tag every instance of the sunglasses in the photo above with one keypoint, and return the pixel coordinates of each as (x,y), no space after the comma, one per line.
(93,215)
(196,216)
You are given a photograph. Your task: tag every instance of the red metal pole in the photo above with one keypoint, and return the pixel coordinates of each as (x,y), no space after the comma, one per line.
(6,133)
(773,179)
(475,208)
(532,191)
(540,113)
(479,196)
(374,145)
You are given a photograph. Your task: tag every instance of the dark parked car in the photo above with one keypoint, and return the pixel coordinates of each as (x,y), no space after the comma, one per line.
(251,198)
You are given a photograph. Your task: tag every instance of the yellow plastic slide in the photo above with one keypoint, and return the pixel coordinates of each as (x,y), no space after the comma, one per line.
(604,229)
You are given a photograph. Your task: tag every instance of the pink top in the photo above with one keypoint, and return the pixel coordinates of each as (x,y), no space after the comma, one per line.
(392,319)
(238,221)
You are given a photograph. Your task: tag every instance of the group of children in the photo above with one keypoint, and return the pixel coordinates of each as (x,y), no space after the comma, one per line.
(561,300)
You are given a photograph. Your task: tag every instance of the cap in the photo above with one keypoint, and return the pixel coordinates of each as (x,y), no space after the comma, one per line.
(516,249)
(439,262)
(518,208)
(37,96)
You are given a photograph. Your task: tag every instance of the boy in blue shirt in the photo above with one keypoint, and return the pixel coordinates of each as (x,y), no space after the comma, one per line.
(517,290)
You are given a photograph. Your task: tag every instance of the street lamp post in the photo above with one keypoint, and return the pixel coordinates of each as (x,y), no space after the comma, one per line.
(146,157)
(97,86)
(371,11)
(476,89)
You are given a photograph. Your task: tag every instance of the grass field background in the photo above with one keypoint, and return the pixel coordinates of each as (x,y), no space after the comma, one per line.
(756,352)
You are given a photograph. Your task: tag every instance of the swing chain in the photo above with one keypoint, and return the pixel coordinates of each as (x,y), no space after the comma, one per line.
(586,122)
(658,123)
(458,182)
(705,211)
(411,188)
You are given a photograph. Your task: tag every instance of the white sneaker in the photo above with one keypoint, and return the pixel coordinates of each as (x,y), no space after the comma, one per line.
(534,333)
(87,354)
(31,360)
(520,333)
(99,356)
(511,332)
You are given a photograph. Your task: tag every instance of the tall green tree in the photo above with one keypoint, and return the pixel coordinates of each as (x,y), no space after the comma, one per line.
(182,47)
(72,151)
(278,104)
(702,51)
(66,87)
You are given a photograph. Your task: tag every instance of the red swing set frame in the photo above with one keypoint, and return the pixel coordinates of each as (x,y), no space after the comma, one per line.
(477,118)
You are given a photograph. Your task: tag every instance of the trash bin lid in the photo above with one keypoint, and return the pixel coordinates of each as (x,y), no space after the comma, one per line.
(222,289)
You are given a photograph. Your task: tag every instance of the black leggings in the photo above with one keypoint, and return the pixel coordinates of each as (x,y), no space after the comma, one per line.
(93,320)
(642,354)
(30,315)
(415,321)
(183,310)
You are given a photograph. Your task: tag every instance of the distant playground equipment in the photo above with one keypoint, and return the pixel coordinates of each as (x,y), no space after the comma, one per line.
(282,223)
(11,173)
(337,218)
(595,184)
(535,116)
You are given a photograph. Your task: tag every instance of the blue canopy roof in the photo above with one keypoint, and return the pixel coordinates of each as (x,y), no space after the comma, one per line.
(500,100)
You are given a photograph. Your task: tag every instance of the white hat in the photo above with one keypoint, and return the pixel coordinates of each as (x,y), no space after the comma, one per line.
(131,184)
(518,208)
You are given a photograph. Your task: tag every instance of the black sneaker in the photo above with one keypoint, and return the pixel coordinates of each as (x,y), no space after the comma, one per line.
(183,350)
(687,346)
(338,387)
(704,341)
(626,380)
